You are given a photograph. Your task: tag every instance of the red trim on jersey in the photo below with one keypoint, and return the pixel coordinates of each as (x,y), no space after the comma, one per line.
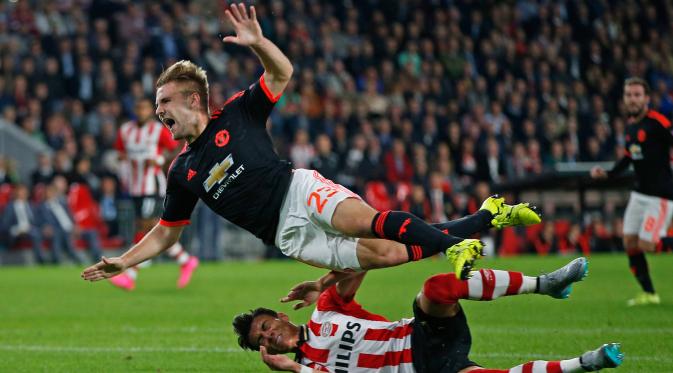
(267,92)
(330,300)
(318,355)
(184,148)
(487,284)
(316,327)
(515,280)
(659,118)
(390,358)
(233,97)
(386,334)
(173,223)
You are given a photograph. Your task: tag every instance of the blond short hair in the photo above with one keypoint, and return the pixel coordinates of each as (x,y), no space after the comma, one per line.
(638,81)
(189,74)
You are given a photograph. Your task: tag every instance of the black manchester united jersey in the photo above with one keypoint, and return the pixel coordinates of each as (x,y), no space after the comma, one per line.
(232,167)
(648,144)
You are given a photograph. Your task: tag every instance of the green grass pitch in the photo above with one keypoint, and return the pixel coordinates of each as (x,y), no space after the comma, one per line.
(52,321)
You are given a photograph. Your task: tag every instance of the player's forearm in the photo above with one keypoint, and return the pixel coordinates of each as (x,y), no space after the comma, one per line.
(620,166)
(331,278)
(154,243)
(278,68)
(347,287)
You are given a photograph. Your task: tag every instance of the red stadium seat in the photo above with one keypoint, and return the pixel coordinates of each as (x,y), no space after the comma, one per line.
(376,194)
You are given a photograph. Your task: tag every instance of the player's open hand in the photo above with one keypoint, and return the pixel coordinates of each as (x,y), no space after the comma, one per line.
(277,362)
(106,268)
(248,31)
(307,292)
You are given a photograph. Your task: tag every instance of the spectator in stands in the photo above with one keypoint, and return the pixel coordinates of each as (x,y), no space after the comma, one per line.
(302,150)
(325,161)
(514,75)
(44,172)
(57,221)
(109,204)
(397,164)
(7,174)
(21,222)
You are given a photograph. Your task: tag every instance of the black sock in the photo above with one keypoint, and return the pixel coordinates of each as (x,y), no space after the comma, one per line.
(639,268)
(468,225)
(406,228)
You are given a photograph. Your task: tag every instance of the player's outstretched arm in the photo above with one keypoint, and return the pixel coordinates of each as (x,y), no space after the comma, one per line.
(156,241)
(308,291)
(277,66)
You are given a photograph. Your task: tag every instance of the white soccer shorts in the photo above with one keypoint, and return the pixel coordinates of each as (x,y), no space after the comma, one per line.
(647,216)
(305,230)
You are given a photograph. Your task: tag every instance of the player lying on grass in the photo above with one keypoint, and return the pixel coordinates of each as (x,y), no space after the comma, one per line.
(229,162)
(343,337)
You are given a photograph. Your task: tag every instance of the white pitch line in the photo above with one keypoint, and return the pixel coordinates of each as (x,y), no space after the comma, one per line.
(475,329)
(39,348)
(80,349)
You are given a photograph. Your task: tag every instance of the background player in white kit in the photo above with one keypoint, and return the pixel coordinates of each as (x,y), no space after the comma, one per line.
(144,145)
(649,139)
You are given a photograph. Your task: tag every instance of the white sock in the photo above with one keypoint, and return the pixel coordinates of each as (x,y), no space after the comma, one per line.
(572,365)
(178,253)
(132,273)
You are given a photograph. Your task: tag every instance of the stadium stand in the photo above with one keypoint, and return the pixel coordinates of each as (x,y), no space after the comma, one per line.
(411,100)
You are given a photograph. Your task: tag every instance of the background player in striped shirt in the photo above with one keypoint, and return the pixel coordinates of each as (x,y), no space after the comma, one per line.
(343,337)
(144,145)
(649,138)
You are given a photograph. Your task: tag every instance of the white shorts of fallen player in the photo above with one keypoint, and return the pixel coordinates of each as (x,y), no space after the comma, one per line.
(647,216)
(305,230)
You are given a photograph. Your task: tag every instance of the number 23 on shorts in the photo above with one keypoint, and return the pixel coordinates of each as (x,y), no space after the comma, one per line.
(321,196)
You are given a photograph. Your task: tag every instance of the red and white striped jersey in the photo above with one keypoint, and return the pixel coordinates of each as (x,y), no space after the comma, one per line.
(142,144)
(343,337)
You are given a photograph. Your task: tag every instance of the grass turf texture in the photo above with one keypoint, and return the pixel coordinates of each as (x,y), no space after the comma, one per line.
(52,321)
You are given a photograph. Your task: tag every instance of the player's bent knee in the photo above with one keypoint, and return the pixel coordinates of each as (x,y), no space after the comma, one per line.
(646,246)
(630,241)
(376,253)
(442,289)
(353,217)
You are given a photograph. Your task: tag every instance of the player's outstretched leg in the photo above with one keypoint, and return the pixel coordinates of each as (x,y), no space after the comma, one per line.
(188,263)
(558,284)
(489,284)
(505,215)
(640,269)
(606,356)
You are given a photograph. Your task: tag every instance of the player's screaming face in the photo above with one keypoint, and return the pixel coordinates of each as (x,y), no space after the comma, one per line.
(635,99)
(177,110)
(278,335)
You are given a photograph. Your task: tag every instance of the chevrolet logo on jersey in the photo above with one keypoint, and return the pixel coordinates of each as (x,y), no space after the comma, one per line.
(218,173)
(636,152)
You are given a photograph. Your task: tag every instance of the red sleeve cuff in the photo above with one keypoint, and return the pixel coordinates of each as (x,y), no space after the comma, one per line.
(177,223)
(267,92)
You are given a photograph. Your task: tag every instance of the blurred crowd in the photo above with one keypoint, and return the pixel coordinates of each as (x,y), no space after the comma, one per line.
(416,105)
